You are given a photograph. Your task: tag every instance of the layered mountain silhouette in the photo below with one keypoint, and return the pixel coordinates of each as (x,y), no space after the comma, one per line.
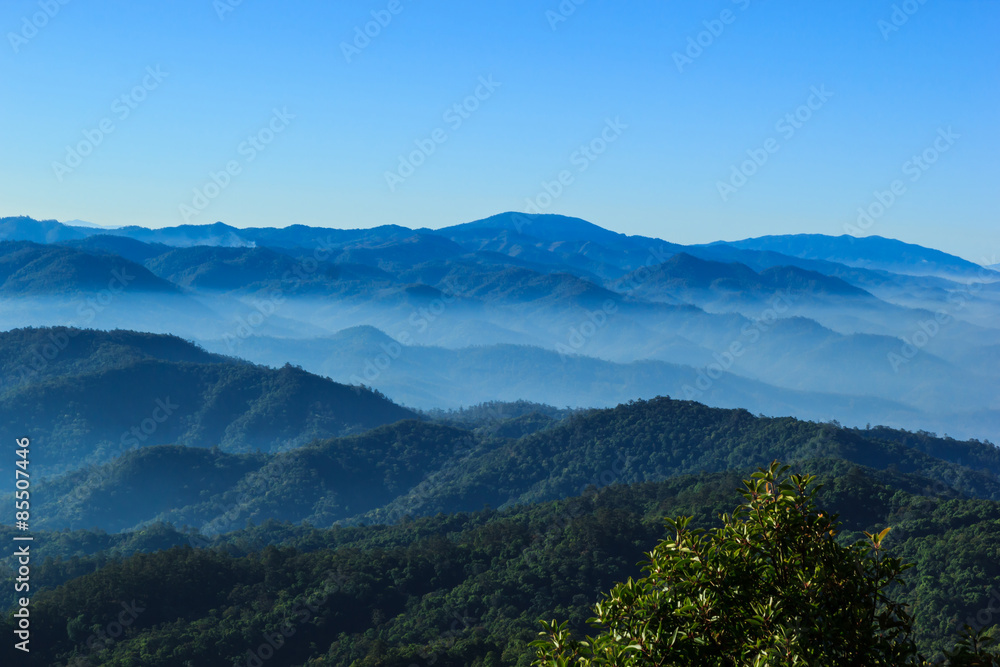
(546,307)
(31,269)
(874,252)
(417,468)
(385,398)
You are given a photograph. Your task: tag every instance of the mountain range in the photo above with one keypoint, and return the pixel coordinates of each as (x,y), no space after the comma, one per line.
(554,309)
(419,467)
(382,402)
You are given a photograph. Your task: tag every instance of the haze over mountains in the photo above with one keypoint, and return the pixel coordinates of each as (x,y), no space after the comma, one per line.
(217,414)
(547,308)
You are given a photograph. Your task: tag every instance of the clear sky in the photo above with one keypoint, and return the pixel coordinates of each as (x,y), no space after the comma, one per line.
(676,116)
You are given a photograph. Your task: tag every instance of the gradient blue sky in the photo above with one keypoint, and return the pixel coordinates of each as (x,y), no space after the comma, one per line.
(558,86)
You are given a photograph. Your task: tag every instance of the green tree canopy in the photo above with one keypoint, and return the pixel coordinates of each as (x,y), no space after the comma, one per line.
(771,586)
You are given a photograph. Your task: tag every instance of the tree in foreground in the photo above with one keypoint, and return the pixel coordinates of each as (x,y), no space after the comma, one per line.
(770,587)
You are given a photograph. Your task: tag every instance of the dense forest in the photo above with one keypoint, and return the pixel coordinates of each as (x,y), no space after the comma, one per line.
(484,457)
(461,589)
(444,537)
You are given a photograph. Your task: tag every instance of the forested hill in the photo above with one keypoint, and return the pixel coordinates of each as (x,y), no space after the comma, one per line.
(457,590)
(85,397)
(421,468)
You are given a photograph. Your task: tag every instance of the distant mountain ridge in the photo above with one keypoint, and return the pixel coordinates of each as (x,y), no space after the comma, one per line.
(556,230)
(428,377)
(433,377)
(28,268)
(84,223)
(865,252)
(23,228)
(686,272)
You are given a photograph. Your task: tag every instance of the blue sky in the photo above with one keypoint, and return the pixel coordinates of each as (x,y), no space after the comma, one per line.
(313,133)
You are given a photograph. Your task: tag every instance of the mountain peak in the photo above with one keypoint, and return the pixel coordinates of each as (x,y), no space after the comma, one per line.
(545,226)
